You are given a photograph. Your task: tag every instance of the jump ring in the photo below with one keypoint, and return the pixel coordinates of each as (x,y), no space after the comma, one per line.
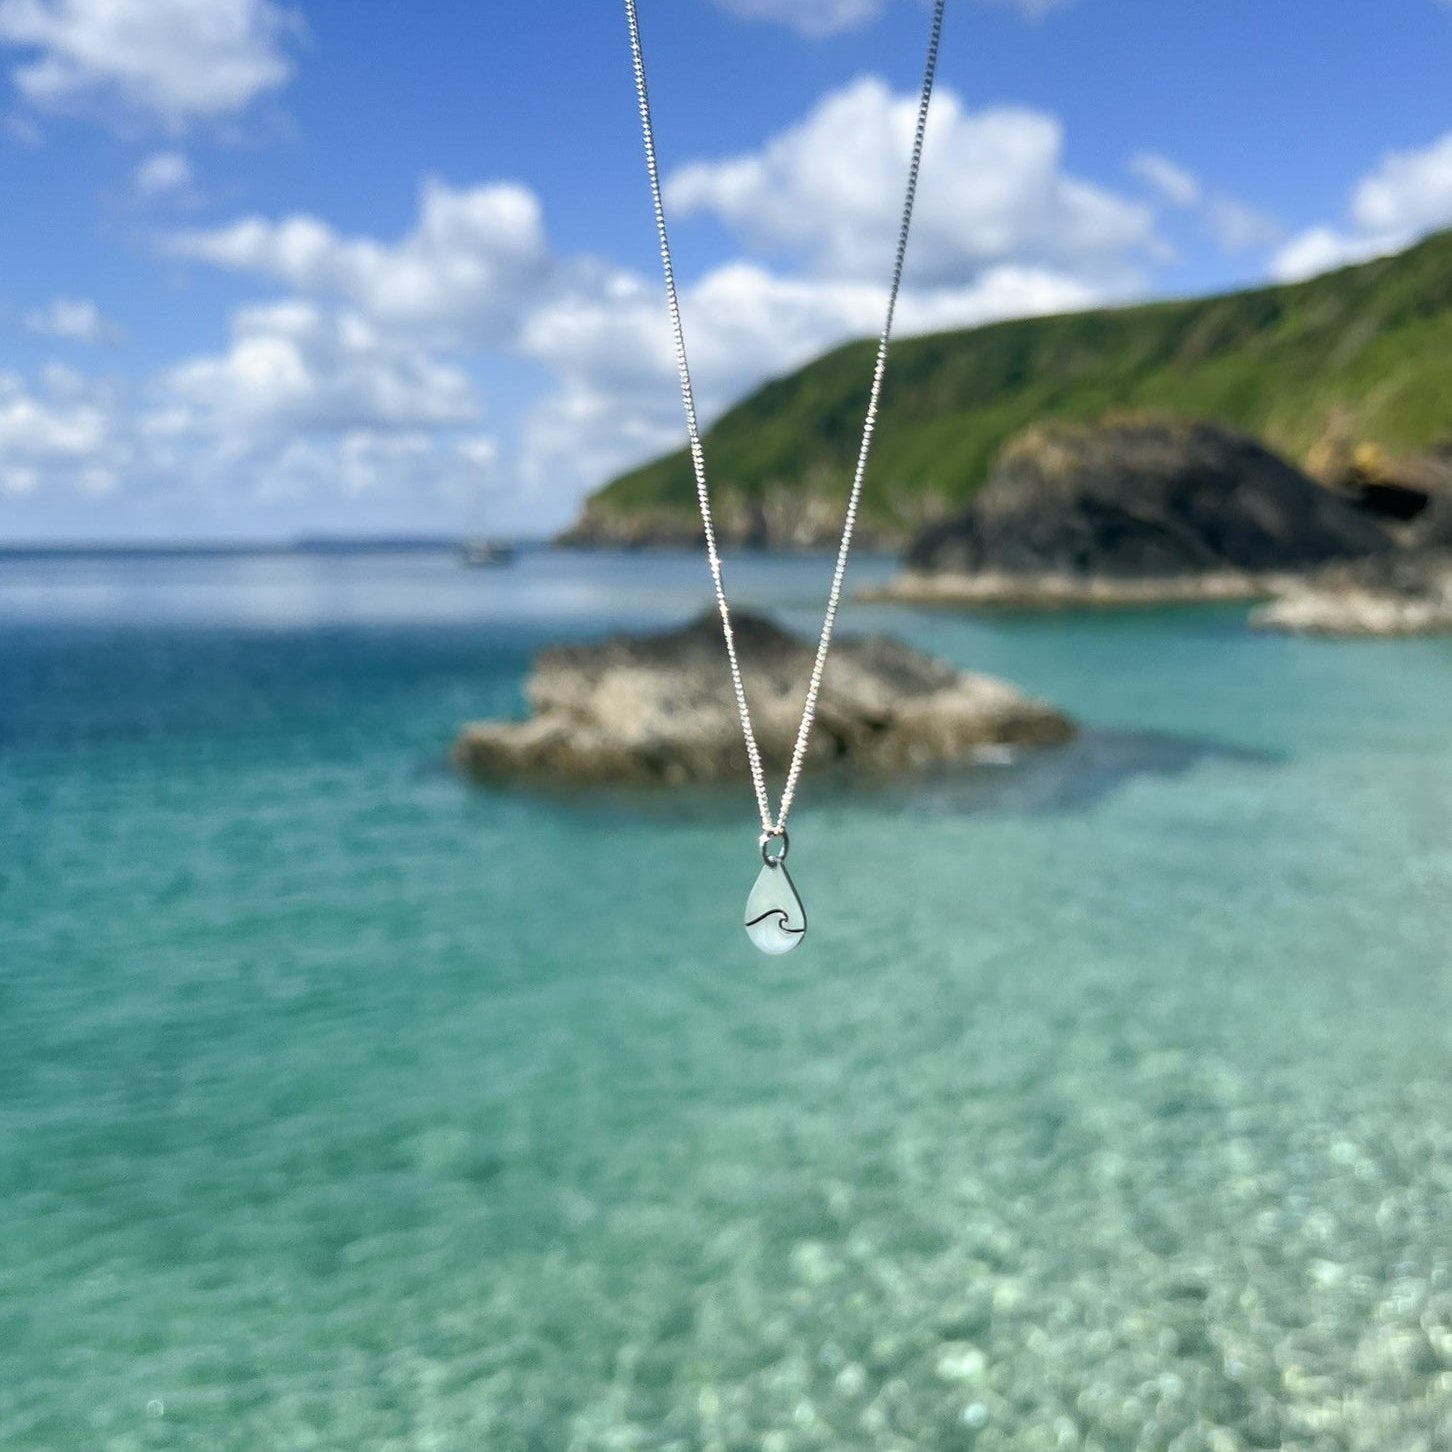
(777,840)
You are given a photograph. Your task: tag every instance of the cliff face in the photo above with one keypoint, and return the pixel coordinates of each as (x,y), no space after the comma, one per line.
(1144,499)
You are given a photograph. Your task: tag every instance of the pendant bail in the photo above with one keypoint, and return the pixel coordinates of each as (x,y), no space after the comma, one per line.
(774,843)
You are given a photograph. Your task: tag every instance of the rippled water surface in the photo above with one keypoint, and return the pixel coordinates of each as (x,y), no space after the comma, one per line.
(343,1106)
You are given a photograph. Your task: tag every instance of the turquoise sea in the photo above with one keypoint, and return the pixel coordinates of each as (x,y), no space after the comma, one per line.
(346,1106)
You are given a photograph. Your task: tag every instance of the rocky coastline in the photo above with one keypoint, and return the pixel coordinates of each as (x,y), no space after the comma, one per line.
(1405,592)
(1140,510)
(783,519)
(1405,595)
(1133,510)
(642,709)
(1059,590)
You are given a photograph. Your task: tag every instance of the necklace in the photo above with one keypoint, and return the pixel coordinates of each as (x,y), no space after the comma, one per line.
(775,919)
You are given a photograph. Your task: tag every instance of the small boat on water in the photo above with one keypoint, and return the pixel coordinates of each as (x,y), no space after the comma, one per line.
(481,550)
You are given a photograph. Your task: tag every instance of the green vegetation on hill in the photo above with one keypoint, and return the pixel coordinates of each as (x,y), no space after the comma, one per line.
(1358,356)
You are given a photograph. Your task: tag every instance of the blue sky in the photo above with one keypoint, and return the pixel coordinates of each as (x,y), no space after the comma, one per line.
(270,268)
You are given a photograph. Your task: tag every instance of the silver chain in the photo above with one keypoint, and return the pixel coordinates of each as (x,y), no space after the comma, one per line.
(776,827)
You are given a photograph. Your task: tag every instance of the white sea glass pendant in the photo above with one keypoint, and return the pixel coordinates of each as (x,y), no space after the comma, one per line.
(775,919)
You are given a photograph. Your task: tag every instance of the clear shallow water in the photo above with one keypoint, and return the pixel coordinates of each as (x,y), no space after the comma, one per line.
(344,1106)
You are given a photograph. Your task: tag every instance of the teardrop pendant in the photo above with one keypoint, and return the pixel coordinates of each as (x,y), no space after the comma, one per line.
(775,919)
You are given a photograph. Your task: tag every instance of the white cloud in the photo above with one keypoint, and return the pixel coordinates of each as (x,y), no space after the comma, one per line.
(1410,191)
(1320,249)
(1171,181)
(294,367)
(74,319)
(1405,194)
(304,405)
(474,261)
(311,398)
(368,464)
(810,17)
(993,191)
(168,62)
(354,376)
(65,433)
(163,172)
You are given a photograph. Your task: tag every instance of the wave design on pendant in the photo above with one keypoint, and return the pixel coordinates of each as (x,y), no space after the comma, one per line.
(775,919)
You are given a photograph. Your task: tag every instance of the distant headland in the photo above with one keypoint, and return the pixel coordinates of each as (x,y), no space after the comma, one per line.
(1338,375)
(1283,439)
(165,548)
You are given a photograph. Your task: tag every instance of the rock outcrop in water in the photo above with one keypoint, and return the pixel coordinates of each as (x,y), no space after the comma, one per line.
(1137,509)
(1405,594)
(659,708)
